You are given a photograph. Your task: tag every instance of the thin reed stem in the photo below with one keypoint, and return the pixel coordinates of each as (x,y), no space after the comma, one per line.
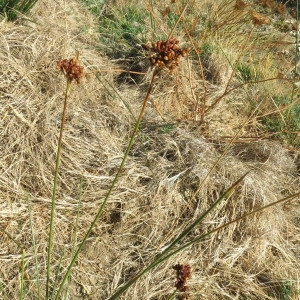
(165,254)
(181,236)
(289,198)
(75,230)
(54,192)
(22,275)
(37,272)
(296,61)
(136,128)
(173,295)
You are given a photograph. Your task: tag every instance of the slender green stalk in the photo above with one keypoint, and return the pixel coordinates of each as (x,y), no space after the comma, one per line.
(54,192)
(164,256)
(296,62)
(11,238)
(136,128)
(22,276)
(56,274)
(178,20)
(37,273)
(181,236)
(152,21)
(227,224)
(75,229)
(173,295)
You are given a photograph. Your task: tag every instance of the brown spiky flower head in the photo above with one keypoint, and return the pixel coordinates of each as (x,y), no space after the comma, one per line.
(167,54)
(183,273)
(71,68)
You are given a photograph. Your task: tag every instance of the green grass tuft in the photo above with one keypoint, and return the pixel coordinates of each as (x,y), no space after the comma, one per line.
(14,9)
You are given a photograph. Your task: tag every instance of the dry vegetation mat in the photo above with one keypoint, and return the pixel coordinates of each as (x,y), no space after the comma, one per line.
(228,107)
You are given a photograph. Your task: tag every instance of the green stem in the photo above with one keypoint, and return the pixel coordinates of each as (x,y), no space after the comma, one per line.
(226,225)
(289,112)
(173,295)
(54,192)
(136,128)
(165,255)
(22,275)
(181,236)
(37,273)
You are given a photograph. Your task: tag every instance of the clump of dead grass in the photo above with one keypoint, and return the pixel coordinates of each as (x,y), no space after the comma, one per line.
(153,201)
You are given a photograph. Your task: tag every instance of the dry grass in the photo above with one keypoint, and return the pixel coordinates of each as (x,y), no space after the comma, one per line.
(153,201)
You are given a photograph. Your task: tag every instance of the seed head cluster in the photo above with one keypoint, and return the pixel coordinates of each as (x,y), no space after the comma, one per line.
(183,273)
(71,68)
(167,54)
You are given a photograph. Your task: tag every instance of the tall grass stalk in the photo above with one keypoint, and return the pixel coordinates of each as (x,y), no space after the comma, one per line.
(54,192)
(56,274)
(75,230)
(99,213)
(37,273)
(178,20)
(296,67)
(152,21)
(289,198)
(173,295)
(181,236)
(12,239)
(22,287)
(165,255)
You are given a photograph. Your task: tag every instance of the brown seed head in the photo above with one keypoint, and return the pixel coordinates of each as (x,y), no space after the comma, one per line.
(167,54)
(71,68)
(183,273)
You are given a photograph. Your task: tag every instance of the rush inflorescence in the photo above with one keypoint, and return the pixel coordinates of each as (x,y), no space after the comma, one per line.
(183,273)
(71,68)
(167,54)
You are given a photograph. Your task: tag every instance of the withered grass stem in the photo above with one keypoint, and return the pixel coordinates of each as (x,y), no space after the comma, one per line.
(101,208)
(54,192)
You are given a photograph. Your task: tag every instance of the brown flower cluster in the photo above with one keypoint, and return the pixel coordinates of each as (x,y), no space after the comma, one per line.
(167,54)
(183,273)
(71,68)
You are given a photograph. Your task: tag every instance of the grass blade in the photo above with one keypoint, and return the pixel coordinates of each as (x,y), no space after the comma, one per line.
(56,275)
(12,239)
(22,275)
(101,208)
(229,223)
(75,230)
(37,273)
(53,201)
(163,256)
